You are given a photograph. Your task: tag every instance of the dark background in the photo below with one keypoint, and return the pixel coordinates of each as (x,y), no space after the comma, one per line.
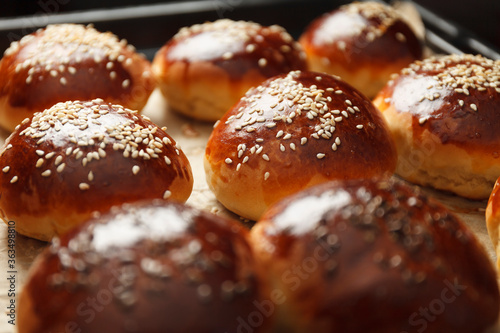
(479,18)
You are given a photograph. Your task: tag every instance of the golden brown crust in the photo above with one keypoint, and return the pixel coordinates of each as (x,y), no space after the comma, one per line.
(204,69)
(148,267)
(363,43)
(292,132)
(80,157)
(70,62)
(380,251)
(493,219)
(442,112)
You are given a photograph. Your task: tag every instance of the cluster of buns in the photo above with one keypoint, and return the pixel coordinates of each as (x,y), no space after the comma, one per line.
(298,147)
(316,262)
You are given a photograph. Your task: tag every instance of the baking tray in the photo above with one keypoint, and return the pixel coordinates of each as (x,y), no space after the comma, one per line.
(148,27)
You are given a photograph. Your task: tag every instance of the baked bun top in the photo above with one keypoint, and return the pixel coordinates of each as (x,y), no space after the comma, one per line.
(65,62)
(454,97)
(293,131)
(379,250)
(363,42)
(147,267)
(81,156)
(370,26)
(237,47)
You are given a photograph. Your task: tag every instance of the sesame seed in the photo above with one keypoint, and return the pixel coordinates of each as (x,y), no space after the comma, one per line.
(400,37)
(84,186)
(135,169)
(262,62)
(250,48)
(46,173)
(266,175)
(125,83)
(40,152)
(227,55)
(90,176)
(303,141)
(39,162)
(58,160)
(63,81)
(6,169)
(14,179)
(359,126)
(228,160)
(473,107)
(282,148)
(334,147)
(461,102)
(320,155)
(265,157)
(167,194)
(60,168)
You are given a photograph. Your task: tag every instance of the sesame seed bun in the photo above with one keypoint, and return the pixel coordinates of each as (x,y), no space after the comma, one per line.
(70,62)
(294,131)
(373,257)
(149,267)
(206,68)
(79,157)
(443,114)
(363,43)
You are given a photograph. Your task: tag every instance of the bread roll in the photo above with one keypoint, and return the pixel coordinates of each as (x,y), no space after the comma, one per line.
(79,157)
(362,42)
(148,267)
(373,256)
(206,68)
(292,132)
(443,114)
(66,62)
